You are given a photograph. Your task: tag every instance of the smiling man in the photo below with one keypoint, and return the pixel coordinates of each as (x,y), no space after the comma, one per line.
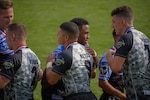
(133,53)
(75,66)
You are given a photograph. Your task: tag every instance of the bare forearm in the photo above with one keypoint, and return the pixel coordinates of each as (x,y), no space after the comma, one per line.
(96,61)
(108,88)
(115,63)
(109,59)
(48,76)
(51,76)
(93,73)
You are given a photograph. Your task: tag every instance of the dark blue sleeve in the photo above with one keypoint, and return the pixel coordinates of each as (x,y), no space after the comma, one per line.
(124,45)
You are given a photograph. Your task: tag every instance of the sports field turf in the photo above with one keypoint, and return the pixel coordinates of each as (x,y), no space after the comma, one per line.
(43,17)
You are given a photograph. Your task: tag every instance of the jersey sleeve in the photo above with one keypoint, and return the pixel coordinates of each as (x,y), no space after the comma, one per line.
(10,66)
(62,62)
(104,69)
(124,45)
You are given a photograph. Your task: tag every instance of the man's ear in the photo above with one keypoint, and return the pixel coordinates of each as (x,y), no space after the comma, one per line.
(123,21)
(66,37)
(13,36)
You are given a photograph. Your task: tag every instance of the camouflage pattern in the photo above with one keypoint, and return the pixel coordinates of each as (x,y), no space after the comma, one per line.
(25,77)
(136,69)
(76,78)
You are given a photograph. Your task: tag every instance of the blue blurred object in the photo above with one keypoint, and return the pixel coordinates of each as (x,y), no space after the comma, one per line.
(58,50)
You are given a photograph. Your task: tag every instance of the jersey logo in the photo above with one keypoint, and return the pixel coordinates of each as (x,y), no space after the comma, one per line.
(59,61)
(103,70)
(120,43)
(8,64)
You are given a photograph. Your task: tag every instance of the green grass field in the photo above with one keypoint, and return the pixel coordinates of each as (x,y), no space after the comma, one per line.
(43,17)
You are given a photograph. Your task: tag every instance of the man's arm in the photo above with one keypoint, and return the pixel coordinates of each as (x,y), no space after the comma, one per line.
(108,88)
(95,58)
(93,53)
(3,81)
(40,75)
(51,76)
(115,63)
(93,72)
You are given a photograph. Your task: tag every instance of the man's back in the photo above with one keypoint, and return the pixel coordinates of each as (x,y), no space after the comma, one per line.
(23,76)
(76,71)
(136,68)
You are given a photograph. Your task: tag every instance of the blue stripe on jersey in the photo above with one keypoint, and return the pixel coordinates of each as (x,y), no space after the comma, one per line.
(3,45)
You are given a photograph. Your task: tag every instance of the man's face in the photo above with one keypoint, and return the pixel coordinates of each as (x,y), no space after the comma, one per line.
(117,24)
(84,35)
(6,17)
(9,39)
(61,37)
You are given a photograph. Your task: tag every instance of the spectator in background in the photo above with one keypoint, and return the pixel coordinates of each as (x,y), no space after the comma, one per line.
(111,83)
(6,17)
(133,53)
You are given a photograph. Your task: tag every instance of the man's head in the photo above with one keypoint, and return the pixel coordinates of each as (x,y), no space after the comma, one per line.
(84,30)
(6,13)
(16,34)
(122,18)
(68,32)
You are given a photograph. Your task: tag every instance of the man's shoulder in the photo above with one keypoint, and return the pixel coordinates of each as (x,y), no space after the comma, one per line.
(27,50)
(2,34)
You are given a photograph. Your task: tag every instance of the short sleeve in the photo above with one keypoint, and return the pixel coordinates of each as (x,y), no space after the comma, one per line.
(62,62)
(104,69)
(124,45)
(10,66)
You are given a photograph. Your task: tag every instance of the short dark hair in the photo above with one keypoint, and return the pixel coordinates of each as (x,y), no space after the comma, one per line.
(124,12)
(6,4)
(18,29)
(80,22)
(71,29)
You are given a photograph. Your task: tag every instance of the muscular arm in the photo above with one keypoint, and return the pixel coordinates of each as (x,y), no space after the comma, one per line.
(107,87)
(95,57)
(52,77)
(93,72)
(40,75)
(115,63)
(93,53)
(124,45)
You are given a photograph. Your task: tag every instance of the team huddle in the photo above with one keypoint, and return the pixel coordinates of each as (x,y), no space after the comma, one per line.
(124,70)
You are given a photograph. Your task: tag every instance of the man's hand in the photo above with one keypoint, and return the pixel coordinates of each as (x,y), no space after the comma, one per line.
(95,57)
(109,55)
(51,58)
(91,51)
(40,74)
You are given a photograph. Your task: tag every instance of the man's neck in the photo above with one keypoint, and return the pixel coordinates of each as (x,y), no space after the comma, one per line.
(70,43)
(16,48)
(125,28)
